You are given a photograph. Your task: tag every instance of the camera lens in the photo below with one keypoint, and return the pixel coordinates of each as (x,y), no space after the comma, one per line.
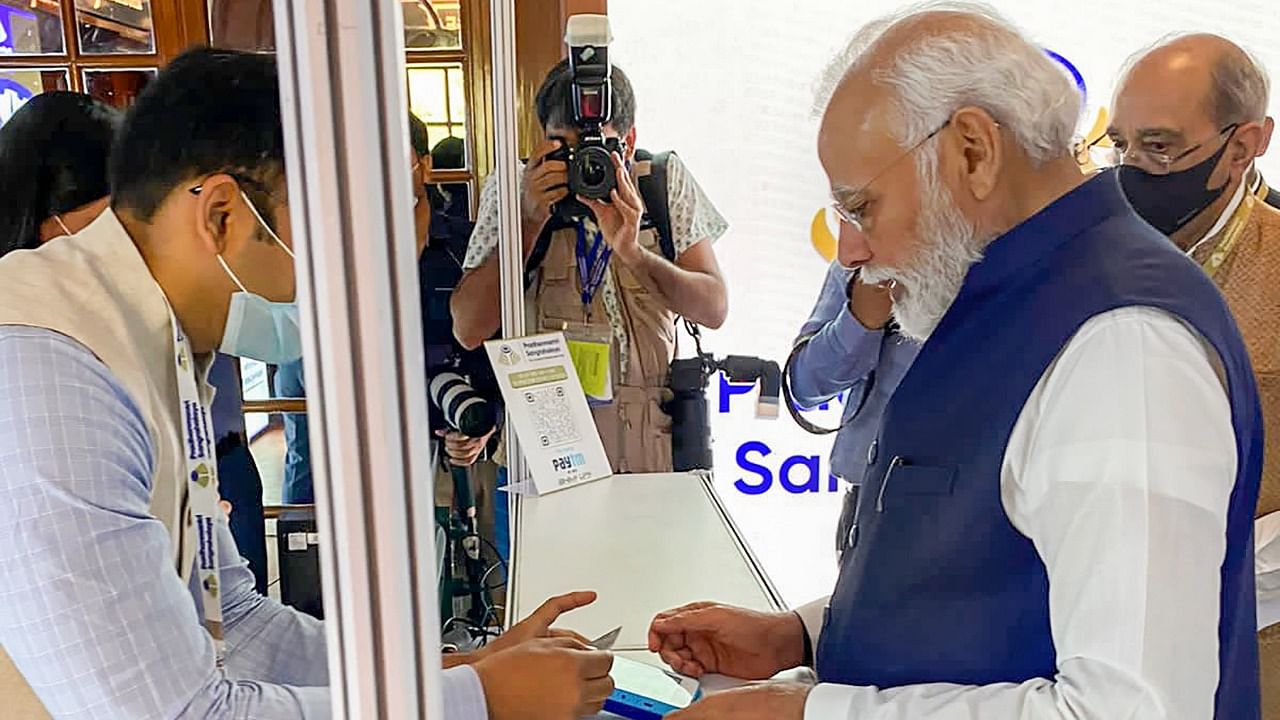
(595,172)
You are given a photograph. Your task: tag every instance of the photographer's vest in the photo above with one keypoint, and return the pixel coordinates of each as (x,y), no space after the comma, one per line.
(635,430)
(1244,261)
(95,289)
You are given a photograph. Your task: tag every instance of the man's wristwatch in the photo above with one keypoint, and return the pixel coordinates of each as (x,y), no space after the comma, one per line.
(890,328)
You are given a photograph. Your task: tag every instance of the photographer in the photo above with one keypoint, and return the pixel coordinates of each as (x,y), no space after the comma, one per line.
(596,271)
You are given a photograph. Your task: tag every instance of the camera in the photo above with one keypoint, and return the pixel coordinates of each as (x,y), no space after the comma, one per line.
(467,411)
(463,408)
(591,169)
(687,404)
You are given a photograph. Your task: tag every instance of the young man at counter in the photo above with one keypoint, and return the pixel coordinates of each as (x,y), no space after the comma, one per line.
(122,595)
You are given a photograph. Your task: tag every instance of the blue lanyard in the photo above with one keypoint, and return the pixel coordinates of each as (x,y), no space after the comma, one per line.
(592,264)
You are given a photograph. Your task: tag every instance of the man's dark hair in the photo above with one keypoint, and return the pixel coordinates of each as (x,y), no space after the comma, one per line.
(449,154)
(53,159)
(209,111)
(418,136)
(555,99)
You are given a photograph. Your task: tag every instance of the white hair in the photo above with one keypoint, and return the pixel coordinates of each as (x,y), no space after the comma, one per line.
(949,245)
(989,64)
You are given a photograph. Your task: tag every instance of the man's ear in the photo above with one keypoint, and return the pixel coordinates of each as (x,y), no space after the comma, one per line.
(976,136)
(1246,144)
(214,216)
(1268,126)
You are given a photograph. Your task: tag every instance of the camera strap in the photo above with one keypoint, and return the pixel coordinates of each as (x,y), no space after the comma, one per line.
(801,343)
(653,191)
(593,263)
(789,399)
(695,332)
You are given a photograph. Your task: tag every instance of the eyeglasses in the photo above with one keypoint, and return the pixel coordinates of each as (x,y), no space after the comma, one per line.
(853,215)
(418,175)
(255,185)
(1153,161)
(258,188)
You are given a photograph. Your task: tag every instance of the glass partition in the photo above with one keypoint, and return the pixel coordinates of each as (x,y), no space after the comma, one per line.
(432,24)
(19,86)
(247,24)
(116,87)
(106,48)
(114,27)
(31,28)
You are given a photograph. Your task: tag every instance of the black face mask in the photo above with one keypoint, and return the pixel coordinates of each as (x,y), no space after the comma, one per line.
(1169,202)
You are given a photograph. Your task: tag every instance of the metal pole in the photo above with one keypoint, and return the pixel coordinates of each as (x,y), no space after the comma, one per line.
(346,131)
(507,166)
(510,245)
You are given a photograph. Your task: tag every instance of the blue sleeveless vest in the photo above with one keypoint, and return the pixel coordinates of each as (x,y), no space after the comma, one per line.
(939,586)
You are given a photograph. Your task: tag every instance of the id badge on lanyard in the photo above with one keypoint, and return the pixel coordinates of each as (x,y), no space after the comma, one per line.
(201,477)
(590,346)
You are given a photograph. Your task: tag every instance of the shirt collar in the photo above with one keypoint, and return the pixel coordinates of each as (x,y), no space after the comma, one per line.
(1255,181)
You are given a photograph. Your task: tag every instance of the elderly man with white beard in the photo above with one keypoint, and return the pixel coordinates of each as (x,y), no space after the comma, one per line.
(1060,499)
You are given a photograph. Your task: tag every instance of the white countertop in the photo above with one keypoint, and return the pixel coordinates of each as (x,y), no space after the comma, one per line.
(645,543)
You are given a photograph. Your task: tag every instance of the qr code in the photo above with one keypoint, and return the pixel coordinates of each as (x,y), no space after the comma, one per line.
(552,417)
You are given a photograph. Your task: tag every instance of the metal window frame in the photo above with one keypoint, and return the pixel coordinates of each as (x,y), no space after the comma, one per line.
(345,110)
(506,171)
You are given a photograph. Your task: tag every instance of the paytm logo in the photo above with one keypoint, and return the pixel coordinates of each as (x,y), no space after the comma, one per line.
(568,462)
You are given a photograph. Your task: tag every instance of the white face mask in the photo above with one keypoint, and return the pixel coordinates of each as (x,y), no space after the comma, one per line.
(256,327)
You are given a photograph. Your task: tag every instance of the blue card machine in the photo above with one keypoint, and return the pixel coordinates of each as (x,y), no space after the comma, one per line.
(647,692)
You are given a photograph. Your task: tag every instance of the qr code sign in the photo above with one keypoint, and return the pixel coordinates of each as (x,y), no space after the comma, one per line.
(552,416)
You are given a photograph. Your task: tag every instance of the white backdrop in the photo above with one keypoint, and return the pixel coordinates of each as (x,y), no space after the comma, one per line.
(729,85)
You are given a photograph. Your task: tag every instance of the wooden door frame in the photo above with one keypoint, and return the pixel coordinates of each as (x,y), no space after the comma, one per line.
(175,25)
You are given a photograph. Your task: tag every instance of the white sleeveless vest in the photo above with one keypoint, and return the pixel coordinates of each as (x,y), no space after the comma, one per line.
(95,288)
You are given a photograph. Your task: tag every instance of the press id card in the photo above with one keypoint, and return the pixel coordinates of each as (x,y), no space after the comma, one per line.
(590,349)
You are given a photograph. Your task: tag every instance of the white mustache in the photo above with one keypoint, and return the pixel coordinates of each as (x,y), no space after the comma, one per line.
(948,245)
